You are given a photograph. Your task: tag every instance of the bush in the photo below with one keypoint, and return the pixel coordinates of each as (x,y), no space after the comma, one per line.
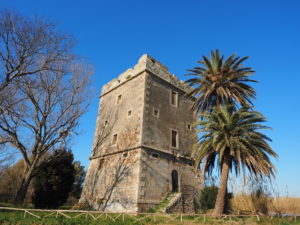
(208,197)
(54,181)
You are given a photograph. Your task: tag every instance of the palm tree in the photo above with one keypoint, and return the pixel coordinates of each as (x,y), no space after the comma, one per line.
(218,82)
(231,141)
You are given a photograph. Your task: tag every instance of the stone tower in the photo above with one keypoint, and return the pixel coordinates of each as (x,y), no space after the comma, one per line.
(143,141)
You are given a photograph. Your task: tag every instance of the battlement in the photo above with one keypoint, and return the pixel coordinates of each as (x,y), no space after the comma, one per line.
(148,63)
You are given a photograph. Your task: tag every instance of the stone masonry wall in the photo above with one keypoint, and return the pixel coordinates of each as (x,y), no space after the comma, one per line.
(121,117)
(157,129)
(155,176)
(112,182)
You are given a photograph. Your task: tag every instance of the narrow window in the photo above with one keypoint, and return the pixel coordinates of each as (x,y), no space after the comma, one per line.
(189,126)
(115,139)
(156,112)
(174,98)
(106,122)
(129,113)
(174,138)
(119,99)
(155,155)
(125,155)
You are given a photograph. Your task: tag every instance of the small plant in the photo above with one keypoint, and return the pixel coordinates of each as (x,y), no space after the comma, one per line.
(208,197)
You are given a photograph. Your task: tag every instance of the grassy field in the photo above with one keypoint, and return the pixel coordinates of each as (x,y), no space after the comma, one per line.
(17,218)
(283,205)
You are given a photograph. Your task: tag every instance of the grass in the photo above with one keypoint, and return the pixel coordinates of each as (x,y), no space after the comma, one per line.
(17,218)
(286,205)
(279,205)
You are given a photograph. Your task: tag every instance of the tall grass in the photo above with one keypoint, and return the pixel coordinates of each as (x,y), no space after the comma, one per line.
(242,203)
(285,205)
(260,196)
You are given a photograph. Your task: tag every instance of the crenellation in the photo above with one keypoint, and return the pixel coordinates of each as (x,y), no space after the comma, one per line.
(150,64)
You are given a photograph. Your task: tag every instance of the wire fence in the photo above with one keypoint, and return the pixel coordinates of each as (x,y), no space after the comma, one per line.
(136,217)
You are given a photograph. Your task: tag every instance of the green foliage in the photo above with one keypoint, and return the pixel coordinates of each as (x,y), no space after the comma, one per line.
(218,81)
(230,140)
(234,134)
(208,197)
(54,180)
(79,179)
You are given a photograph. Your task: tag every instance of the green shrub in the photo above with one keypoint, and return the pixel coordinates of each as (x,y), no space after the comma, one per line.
(54,180)
(208,197)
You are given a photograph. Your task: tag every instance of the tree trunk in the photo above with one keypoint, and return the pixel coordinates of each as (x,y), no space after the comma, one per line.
(22,191)
(220,201)
(203,173)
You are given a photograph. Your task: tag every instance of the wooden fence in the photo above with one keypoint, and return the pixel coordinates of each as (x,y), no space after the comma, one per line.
(136,217)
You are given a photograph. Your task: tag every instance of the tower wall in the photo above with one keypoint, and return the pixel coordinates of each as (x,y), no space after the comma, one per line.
(131,136)
(157,128)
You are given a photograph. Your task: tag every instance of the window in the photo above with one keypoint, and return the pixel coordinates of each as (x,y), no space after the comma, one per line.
(115,139)
(155,155)
(106,122)
(129,113)
(119,99)
(174,138)
(189,126)
(156,112)
(174,98)
(125,155)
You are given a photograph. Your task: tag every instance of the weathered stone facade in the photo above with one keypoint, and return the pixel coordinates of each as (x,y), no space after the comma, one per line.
(143,141)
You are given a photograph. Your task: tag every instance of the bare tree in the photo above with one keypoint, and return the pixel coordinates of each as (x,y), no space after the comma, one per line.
(46,115)
(6,159)
(28,46)
(43,89)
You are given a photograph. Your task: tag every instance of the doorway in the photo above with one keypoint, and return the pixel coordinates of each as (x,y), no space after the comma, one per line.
(174,181)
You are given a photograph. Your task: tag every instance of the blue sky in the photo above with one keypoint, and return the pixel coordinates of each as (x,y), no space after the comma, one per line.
(114,34)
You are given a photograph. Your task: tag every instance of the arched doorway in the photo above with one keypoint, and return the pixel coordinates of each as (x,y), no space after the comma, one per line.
(174,181)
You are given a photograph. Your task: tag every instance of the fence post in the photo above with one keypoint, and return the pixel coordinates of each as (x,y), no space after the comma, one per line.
(257,216)
(123,217)
(56,214)
(181,218)
(24,214)
(204,219)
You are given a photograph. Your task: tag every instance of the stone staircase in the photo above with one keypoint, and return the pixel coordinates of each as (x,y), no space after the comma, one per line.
(187,201)
(169,201)
(173,201)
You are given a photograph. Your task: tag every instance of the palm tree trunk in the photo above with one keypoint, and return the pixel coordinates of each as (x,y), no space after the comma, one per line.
(203,173)
(220,201)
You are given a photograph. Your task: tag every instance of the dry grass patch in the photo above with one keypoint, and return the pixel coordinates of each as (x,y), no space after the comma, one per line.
(285,205)
(280,205)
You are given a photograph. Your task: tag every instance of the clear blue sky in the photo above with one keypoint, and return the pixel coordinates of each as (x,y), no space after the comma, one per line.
(114,34)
